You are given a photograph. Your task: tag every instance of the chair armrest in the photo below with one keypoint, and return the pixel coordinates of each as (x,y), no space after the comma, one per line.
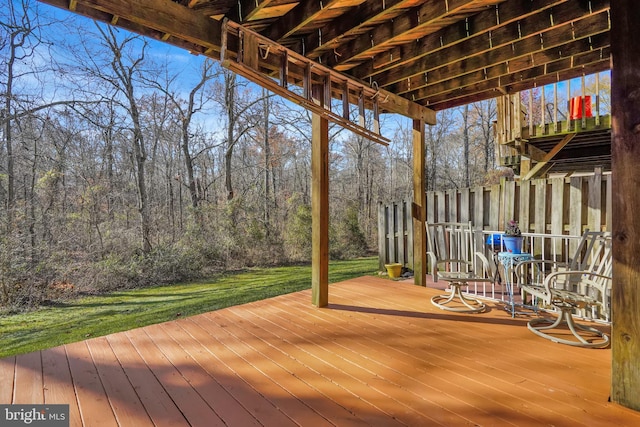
(433,261)
(540,264)
(486,269)
(586,277)
(585,280)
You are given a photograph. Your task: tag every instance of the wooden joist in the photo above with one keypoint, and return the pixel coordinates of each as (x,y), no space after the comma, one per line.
(259,59)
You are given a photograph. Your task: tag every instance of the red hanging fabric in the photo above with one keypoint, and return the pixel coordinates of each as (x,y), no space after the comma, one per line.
(575,107)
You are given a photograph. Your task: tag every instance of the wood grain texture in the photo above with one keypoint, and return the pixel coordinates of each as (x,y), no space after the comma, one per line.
(379,354)
(625,151)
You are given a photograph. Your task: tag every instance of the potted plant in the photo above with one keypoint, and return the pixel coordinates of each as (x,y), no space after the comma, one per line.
(512,238)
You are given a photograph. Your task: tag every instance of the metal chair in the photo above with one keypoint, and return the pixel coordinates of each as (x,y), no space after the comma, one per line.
(452,257)
(583,288)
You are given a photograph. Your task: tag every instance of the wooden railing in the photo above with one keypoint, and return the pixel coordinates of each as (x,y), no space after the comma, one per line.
(558,206)
(556,109)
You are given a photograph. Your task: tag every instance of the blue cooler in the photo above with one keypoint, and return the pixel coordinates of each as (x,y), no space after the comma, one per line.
(494,240)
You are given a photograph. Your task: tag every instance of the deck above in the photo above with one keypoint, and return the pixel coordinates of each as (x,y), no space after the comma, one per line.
(380,354)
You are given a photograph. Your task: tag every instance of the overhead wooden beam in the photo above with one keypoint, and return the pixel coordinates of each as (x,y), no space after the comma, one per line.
(549,156)
(367,13)
(304,13)
(319,205)
(246,10)
(164,16)
(625,151)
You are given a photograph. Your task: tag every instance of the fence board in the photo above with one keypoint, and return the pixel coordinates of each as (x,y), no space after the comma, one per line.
(382,236)
(576,208)
(431,201)
(400,231)
(594,217)
(540,206)
(525,199)
(453,205)
(408,261)
(509,194)
(441,206)
(607,211)
(391,220)
(494,207)
(465,194)
(557,210)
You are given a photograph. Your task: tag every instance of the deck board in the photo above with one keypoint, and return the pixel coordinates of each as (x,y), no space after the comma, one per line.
(7,377)
(126,405)
(28,379)
(196,411)
(380,354)
(90,394)
(58,384)
(157,403)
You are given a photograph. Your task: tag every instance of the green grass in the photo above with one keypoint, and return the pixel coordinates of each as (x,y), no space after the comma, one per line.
(94,316)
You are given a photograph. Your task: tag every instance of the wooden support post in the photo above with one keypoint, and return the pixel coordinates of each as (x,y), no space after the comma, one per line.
(361,117)
(319,205)
(419,207)
(569,121)
(345,100)
(597,99)
(284,69)
(555,108)
(543,110)
(531,134)
(625,153)
(583,103)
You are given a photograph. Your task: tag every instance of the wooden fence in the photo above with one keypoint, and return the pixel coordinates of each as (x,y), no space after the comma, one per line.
(564,205)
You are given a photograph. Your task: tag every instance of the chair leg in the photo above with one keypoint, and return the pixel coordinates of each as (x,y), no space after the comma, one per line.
(537,326)
(471,305)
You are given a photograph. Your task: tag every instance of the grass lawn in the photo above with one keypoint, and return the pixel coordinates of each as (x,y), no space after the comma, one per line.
(94,316)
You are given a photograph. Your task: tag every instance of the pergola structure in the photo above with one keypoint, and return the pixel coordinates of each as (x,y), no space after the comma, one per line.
(414,57)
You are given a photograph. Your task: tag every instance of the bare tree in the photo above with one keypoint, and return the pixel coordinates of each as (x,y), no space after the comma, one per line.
(485,115)
(239,120)
(126,65)
(18,42)
(465,145)
(196,101)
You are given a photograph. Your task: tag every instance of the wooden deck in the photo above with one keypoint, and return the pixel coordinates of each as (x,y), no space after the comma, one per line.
(381,354)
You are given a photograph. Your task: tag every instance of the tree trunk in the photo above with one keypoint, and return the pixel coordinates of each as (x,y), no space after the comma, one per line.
(267,162)
(465,144)
(230,97)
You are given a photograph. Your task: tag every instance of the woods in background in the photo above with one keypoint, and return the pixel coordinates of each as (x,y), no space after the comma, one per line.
(125,164)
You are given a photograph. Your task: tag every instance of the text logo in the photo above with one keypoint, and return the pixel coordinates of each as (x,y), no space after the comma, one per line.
(34,415)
